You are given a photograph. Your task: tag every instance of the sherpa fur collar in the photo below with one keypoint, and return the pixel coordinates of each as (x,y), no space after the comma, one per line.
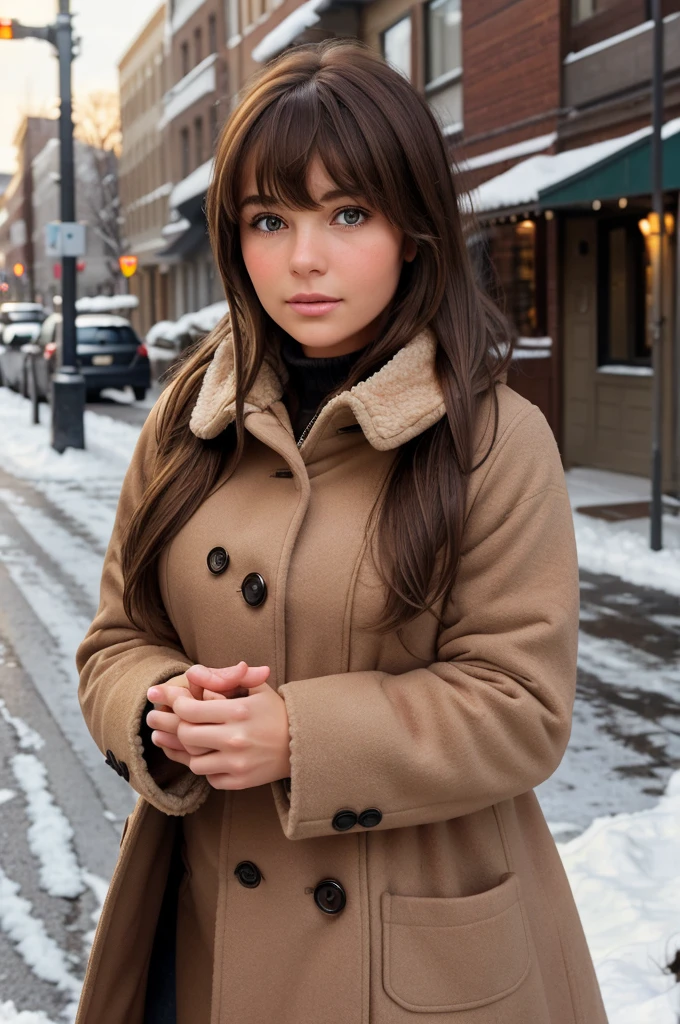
(396,403)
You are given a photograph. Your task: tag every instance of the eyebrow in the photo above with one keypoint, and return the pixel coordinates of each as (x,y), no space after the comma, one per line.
(334,193)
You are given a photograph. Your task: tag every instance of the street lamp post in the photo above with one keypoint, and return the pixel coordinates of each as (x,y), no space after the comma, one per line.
(68,385)
(656,510)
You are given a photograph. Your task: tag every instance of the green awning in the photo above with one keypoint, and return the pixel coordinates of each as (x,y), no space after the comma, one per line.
(626,173)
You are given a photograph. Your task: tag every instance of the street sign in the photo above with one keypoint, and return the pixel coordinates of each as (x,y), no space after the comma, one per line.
(65,239)
(128,265)
(6,28)
(19,269)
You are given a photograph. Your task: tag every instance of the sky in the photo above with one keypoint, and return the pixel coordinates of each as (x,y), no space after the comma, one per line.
(28,69)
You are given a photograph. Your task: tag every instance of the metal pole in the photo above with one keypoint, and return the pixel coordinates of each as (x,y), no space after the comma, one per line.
(657,315)
(68,385)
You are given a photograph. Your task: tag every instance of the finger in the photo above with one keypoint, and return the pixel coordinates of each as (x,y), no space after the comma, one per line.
(211,737)
(211,695)
(163,720)
(178,755)
(224,679)
(225,781)
(165,693)
(211,712)
(196,691)
(167,740)
(213,763)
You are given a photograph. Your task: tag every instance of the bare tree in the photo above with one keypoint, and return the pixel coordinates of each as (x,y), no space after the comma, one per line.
(97,125)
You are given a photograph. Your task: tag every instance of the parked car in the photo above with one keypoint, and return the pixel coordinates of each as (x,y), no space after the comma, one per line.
(14,340)
(108,352)
(21,312)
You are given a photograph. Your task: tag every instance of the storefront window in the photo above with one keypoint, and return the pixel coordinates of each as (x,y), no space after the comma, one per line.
(507,269)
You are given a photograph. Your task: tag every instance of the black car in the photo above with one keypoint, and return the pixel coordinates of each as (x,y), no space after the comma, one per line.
(108,352)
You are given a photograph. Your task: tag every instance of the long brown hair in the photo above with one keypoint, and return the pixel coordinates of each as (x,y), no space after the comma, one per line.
(376,137)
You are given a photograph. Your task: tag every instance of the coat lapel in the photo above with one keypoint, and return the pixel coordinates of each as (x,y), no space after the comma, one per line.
(396,403)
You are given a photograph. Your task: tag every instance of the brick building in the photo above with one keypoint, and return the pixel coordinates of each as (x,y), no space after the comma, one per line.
(16,208)
(145,178)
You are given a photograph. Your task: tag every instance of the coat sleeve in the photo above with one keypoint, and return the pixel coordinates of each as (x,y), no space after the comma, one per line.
(491,717)
(118,662)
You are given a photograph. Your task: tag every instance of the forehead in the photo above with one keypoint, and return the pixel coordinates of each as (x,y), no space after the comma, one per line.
(318,179)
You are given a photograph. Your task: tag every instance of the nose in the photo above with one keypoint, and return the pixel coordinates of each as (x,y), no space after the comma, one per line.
(307,251)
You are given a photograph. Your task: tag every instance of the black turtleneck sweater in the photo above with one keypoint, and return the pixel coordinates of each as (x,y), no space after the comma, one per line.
(311,378)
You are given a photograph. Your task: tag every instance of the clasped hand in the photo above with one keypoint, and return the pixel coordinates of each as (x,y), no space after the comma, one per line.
(227,724)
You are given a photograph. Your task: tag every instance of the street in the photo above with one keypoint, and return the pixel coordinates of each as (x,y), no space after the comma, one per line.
(56,514)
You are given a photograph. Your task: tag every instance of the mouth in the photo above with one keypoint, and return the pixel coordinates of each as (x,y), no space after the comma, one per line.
(313,307)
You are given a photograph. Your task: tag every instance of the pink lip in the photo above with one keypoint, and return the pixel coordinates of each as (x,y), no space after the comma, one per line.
(314,307)
(312,297)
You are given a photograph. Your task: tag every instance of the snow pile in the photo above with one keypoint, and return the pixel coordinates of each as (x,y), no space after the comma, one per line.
(190,327)
(195,184)
(10,1015)
(106,303)
(28,738)
(26,451)
(290,28)
(623,871)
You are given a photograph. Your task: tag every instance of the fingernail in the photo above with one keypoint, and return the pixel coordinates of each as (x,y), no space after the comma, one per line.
(153,694)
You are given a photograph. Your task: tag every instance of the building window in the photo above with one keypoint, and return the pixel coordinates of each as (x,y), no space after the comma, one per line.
(184,58)
(198,140)
(198,46)
(583,9)
(444,38)
(212,33)
(625,294)
(185,153)
(396,45)
(509,265)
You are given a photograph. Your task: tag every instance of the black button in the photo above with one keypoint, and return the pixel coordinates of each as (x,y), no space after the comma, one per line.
(370,817)
(330,896)
(218,560)
(112,762)
(124,771)
(248,874)
(254,589)
(344,820)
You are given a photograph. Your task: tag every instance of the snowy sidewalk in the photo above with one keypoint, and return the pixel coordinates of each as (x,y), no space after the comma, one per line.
(618,835)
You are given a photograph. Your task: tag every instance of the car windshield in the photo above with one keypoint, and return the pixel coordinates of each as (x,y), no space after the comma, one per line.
(106,336)
(21,316)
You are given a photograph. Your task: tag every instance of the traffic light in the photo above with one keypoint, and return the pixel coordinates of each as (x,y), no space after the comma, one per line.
(6,28)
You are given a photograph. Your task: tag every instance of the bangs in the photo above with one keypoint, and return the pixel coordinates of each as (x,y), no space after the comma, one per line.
(305,122)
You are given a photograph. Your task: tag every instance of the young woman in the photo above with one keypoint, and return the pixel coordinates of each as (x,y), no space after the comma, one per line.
(336,644)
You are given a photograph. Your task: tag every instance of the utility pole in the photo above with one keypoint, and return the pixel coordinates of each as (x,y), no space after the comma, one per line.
(656,509)
(68,385)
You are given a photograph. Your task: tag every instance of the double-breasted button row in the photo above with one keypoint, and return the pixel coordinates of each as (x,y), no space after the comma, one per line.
(344,820)
(253,587)
(329,895)
(118,766)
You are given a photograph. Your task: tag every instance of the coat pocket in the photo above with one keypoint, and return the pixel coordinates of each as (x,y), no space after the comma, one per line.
(442,954)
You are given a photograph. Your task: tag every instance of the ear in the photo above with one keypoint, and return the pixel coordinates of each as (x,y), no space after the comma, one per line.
(409,249)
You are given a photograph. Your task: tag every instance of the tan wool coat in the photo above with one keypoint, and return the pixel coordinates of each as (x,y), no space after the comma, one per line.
(405,873)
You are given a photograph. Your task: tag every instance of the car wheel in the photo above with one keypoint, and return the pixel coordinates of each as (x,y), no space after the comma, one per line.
(140,394)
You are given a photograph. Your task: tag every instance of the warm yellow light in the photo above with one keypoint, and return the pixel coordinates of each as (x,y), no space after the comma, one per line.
(526,224)
(669,223)
(549,215)
(597,204)
(645,227)
(6,28)
(623,203)
(513,219)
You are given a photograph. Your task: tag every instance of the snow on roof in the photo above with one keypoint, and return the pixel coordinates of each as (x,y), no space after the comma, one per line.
(523,182)
(196,184)
(534,145)
(106,303)
(287,30)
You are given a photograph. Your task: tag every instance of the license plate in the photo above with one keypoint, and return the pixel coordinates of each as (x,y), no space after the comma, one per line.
(102,360)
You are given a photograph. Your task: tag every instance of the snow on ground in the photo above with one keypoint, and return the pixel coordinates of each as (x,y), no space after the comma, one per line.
(623,871)
(49,834)
(622,548)
(10,1015)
